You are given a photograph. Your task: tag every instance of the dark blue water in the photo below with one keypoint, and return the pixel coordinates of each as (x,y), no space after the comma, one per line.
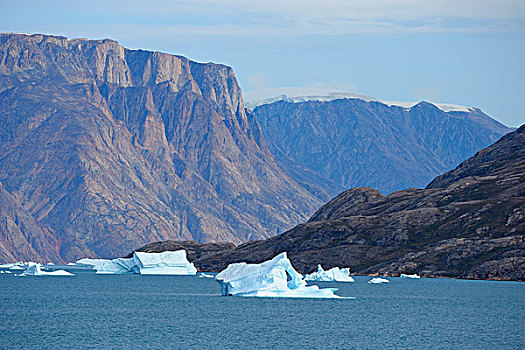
(181,312)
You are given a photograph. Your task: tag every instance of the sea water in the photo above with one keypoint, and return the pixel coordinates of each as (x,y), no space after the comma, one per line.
(91,311)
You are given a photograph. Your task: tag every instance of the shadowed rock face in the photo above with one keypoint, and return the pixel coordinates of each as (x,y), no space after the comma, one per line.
(334,145)
(468,223)
(109,148)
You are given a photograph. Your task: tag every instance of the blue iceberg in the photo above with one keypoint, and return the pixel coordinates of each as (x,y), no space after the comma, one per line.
(165,263)
(335,274)
(272,278)
(378,280)
(34,269)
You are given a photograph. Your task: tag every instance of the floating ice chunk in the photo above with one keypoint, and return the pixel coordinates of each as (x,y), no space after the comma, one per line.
(87,262)
(6,266)
(165,263)
(120,266)
(335,274)
(272,278)
(202,274)
(378,280)
(17,268)
(33,269)
(409,276)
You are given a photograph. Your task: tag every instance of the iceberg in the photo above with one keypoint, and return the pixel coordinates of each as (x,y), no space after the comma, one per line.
(272,278)
(378,280)
(202,274)
(335,274)
(6,266)
(34,269)
(120,266)
(87,262)
(16,268)
(165,263)
(409,276)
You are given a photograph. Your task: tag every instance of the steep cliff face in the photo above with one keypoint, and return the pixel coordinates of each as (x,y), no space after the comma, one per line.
(109,148)
(351,142)
(468,223)
(21,237)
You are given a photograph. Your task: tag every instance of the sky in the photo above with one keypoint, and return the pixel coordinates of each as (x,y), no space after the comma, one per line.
(466,52)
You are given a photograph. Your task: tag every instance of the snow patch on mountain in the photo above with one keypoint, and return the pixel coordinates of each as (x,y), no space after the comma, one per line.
(297,95)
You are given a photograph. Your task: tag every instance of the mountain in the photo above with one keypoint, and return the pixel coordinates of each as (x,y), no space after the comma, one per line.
(334,143)
(468,223)
(21,237)
(106,148)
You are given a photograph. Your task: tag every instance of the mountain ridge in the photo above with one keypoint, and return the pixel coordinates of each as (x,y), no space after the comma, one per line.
(469,223)
(352,142)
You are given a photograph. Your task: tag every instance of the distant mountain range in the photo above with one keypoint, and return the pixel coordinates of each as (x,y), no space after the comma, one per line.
(103,149)
(467,223)
(334,143)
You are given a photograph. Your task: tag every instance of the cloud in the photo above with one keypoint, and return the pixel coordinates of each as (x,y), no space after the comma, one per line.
(281,17)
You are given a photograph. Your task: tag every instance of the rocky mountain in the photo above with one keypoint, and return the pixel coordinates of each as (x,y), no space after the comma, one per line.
(107,148)
(468,223)
(21,237)
(336,143)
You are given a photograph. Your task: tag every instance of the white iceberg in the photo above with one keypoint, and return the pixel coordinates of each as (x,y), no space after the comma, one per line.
(6,266)
(33,269)
(335,274)
(202,274)
(88,262)
(378,280)
(272,278)
(120,266)
(165,263)
(17,268)
(409,276)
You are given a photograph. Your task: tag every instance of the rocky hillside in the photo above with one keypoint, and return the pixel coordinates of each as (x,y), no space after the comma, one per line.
(108,148)
(337,144)
(468,223)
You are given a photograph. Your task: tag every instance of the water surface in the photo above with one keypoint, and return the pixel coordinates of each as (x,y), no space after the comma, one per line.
(90,311)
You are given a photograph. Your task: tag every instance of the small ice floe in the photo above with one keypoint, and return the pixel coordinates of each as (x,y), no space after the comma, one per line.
(34,269)
(378,280)
(6,266)
(409,276)
(272,278)
(335,274)
(204,275)
(165,263)
(17,268)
